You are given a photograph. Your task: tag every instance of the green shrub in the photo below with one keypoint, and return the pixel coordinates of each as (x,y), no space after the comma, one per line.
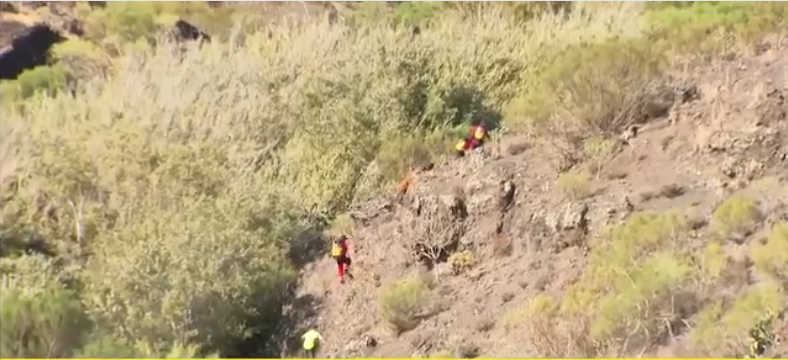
(40,316)
(402,303)
(397,155)
(771,258)
(575,185)
(462,261)
(417,12)
(143,20)
(633,273)
(615,74)
(710,27)
(599,150)
(734,217)
(40,80)
(108,347)
(712,262)
(724,331)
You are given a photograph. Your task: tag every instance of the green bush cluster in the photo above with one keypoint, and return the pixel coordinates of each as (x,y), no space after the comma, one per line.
(40,80)
(721,329)
(771,257)
(711,27)
(735,217)
(623,298)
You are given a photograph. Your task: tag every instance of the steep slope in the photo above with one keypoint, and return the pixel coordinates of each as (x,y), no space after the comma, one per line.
(730,140)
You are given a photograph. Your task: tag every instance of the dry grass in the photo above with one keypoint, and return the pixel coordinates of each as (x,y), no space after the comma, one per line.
(575,185)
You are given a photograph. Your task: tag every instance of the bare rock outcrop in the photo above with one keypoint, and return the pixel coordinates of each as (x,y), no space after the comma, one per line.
(572,216)
(184,31)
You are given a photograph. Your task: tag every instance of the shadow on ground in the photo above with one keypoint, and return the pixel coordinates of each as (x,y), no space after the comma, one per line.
(299,317)
(280,336)
(308,246)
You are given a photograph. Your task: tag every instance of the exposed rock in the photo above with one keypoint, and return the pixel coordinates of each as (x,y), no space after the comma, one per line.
(360,347)
(506,195)
(742,168)
(184,31)
(613,212)
(772,108)
(570,217)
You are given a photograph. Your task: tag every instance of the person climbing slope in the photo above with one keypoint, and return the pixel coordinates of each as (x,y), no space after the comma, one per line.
(311,343)
(477,134)
(340,252)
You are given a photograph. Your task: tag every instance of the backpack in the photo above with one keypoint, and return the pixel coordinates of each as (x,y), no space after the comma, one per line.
(336,250)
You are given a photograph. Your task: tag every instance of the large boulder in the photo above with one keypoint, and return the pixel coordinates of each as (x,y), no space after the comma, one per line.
(185,31)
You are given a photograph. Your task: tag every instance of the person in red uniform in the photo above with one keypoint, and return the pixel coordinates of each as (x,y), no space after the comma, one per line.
(340,252)
(477,134)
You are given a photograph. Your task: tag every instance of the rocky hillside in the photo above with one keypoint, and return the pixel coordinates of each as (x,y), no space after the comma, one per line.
(722,146)
(162,198)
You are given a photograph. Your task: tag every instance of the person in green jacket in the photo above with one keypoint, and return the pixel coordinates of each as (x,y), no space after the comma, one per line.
(312,341)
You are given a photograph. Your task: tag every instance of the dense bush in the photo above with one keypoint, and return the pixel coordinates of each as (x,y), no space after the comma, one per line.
(723,330)
(735,217)
(771,257)
(40,80)
(624,297)
(711,27)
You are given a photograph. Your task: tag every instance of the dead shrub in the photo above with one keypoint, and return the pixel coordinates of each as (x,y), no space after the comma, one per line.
(434,235)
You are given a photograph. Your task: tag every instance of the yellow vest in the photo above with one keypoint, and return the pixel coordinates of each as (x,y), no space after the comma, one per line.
(336,250)
(460,145)
(479,133)
(310,339)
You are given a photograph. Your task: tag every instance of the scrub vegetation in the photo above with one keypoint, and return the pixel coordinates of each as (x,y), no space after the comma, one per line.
(152,202)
